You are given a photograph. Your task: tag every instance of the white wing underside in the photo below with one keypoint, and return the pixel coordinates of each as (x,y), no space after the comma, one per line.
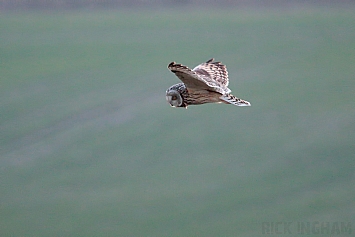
(215,71)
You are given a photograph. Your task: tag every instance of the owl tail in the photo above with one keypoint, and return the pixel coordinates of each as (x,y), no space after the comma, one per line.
(231,99)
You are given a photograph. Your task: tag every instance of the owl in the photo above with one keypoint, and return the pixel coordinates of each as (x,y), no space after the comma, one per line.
(206,83)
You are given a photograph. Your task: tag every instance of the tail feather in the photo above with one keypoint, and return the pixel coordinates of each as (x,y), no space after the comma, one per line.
(231,99)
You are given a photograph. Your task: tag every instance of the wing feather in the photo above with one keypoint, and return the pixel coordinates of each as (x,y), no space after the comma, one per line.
(194,80)
(215,70)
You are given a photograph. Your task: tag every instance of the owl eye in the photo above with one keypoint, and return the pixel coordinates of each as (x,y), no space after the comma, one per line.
(174,97)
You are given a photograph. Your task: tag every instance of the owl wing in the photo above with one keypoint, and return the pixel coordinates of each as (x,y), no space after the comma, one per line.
(195,80)
(215,71)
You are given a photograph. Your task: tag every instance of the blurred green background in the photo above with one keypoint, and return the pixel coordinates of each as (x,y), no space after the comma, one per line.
(90,147)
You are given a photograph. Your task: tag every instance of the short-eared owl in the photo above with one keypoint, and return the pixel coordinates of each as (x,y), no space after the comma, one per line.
(206,83)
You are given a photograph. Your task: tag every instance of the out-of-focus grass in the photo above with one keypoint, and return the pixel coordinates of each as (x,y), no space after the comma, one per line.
(89,147)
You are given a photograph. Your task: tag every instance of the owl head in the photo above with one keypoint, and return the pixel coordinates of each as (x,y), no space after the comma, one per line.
(174,95)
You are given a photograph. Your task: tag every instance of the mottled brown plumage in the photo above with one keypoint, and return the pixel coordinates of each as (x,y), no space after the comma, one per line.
(206,83)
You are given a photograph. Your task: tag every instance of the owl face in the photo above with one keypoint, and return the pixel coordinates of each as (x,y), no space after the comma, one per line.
(174,96)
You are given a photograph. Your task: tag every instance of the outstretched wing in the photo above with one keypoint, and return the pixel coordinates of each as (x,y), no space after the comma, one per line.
(194,80)
(216,71)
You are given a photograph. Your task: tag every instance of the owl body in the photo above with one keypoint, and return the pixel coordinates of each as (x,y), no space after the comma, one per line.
(191,96)
(206,83)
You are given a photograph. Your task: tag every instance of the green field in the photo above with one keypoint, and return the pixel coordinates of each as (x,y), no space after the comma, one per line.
(90,147)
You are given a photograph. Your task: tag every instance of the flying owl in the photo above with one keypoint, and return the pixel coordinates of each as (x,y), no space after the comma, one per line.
(206,83)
